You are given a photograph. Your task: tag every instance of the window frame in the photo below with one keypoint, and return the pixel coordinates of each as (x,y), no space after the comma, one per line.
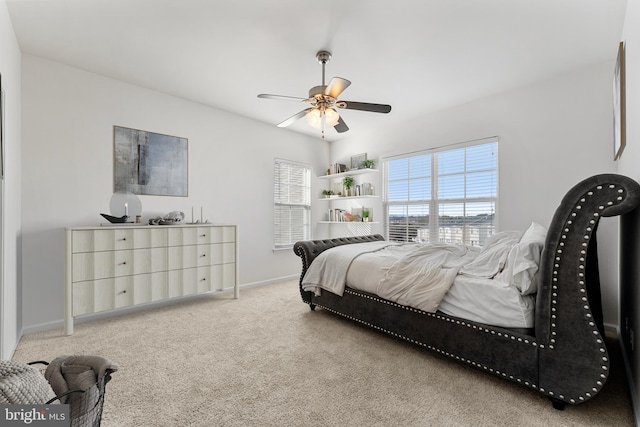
(435,203)
(304,232)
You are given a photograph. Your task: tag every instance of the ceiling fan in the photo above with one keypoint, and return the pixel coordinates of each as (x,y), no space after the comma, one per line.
(324,100)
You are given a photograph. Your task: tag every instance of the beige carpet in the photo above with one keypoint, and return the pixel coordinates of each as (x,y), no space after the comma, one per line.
(267,360)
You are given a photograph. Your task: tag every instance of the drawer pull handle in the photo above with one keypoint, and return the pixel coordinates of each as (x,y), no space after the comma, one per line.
(203,255)
(124,239)
(203,280)
(203,235)
(123,292)
(123,263)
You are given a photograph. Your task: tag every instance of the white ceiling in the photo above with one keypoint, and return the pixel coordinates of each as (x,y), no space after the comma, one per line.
(417,55)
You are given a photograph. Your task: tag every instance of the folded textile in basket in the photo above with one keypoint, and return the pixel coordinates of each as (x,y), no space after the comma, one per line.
(78,372)
(22,384)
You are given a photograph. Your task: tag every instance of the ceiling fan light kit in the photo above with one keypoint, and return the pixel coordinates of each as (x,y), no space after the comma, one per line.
(324,101)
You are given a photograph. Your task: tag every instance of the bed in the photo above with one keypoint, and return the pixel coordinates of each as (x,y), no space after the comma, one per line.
(556,349)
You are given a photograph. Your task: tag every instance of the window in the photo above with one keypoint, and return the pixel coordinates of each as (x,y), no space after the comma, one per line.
(444,196)
(291,203)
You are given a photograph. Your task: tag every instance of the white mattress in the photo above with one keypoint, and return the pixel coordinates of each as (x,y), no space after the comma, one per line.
(475,299)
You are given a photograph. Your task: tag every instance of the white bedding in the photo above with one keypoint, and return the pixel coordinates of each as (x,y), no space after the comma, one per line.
(329,270)
(461,281)
(418,276)
(490,302)
(479,299)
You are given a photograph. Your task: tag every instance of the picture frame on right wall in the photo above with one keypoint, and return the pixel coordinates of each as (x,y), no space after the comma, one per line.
(3,125)
(619,110)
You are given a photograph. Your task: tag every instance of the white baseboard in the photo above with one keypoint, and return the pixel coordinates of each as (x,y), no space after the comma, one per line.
(270,281)
(123,311)
(610,327)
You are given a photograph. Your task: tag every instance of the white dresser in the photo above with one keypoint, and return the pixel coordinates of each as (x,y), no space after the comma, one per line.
(113,267)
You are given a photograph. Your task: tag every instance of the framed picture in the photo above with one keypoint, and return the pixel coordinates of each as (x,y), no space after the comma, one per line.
(150,163)
(357,160)
(619,109)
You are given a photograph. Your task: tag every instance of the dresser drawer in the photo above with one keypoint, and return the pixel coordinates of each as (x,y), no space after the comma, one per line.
(118,239)
(150,237)
(92,296)
(99,295)
(182,236)
(102,265)
(216,253)
(150,287)
(180,257)
(216,277)
(101,240)
(216,235)
(182,282)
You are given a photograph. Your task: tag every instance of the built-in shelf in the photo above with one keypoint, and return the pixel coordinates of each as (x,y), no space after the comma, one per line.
(347,222)
(349,173)
(349,198)
(356,228)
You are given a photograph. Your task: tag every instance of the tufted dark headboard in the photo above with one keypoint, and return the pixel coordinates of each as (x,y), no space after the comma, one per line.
(309,250)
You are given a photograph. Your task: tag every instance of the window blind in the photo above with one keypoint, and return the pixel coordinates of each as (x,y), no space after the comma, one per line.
(444,196)
(292,203)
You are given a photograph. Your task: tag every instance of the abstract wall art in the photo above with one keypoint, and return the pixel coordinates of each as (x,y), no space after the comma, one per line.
(150,163)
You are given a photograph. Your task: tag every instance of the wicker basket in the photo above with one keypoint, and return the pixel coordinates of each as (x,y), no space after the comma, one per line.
(86,403)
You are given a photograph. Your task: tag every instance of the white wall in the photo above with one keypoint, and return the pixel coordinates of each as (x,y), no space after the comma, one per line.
(552,135)
(68,117)
(10,191)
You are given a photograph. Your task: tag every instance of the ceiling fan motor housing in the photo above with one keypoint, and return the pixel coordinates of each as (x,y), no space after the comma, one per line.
(317,91)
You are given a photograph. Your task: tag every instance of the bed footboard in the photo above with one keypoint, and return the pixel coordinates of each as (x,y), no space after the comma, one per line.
(308,250)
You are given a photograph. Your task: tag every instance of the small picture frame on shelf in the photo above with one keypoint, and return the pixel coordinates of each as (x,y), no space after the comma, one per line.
(356,161)
(337,188)
(339,168)
(356,213)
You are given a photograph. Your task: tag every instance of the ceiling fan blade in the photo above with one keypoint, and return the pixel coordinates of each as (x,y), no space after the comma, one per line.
(364,106)
(291,120)
(341,126)
(281,97)
(336,86)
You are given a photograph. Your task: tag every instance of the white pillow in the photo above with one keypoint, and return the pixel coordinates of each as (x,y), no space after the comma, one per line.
(493,256)
(524,260)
